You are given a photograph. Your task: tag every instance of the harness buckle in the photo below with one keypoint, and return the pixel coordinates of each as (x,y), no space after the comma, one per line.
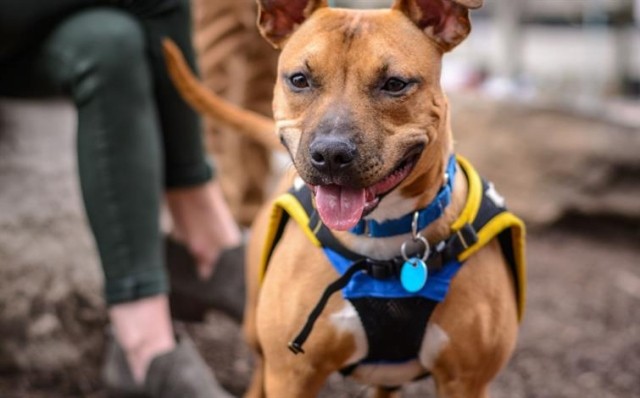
(467,236)
(381,270)
(462,239)
(295,347)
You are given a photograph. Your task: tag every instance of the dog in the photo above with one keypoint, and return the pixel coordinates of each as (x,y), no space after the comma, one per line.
(386,257)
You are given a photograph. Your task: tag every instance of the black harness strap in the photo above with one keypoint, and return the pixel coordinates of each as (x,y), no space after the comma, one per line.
(296,344)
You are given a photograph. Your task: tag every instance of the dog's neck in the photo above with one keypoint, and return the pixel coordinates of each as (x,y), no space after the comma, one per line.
(385,248)
(415,195)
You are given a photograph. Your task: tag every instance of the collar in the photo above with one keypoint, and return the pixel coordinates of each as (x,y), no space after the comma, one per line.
(426,215)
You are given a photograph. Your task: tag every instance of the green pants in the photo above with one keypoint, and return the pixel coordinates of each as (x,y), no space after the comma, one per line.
(135,138)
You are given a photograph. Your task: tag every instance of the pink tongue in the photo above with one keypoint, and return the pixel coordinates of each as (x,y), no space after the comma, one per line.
(340,208)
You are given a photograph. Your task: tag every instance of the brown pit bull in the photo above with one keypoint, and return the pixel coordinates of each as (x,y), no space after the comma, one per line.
(429,263)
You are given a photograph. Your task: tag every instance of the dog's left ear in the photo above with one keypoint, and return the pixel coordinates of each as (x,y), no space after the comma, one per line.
(445,21)
(278,19)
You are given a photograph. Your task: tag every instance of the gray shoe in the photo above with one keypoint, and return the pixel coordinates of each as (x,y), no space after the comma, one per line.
(190,297)
(180,373)
(116,374)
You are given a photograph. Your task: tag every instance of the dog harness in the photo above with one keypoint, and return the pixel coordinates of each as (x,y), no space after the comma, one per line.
(393,313)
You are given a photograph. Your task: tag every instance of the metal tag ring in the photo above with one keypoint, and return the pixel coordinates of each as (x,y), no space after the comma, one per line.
(419,238)
(414,226)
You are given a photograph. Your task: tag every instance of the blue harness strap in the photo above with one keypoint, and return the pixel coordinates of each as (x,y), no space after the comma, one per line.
(365,285)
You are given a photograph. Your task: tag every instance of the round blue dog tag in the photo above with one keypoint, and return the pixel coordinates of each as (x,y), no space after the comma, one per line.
(413,275)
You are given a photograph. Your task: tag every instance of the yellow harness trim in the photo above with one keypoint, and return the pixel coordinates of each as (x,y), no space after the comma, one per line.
(295,210)
(491,229)
(495,226)
(474,195)
(289,203)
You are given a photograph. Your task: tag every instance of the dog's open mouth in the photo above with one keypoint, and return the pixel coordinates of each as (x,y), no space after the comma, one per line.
(341,207)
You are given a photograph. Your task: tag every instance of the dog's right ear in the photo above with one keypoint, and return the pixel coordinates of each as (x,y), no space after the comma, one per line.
(278,19)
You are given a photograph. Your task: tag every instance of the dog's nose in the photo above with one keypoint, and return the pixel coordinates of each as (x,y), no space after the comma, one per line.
(331,154)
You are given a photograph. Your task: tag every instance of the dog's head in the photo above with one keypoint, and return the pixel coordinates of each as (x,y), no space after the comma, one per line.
(358,102)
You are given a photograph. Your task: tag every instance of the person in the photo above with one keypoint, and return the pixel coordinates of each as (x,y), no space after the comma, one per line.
(137,143)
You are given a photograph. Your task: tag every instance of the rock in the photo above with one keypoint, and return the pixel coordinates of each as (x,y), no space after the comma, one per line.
(51,308)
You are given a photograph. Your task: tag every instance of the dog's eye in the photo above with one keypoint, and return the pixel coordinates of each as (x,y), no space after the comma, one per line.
(299,80)
(394,85)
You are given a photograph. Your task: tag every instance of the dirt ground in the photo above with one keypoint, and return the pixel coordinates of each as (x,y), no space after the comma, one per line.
(579,339)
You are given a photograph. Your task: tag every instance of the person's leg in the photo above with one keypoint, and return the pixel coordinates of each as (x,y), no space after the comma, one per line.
(201,216)
(25,23)
(98,55)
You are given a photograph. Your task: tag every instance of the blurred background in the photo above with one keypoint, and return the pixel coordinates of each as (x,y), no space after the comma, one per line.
(545,99)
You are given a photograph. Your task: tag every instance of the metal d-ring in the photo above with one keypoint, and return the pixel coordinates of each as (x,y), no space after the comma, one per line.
(414,226)
(417,238)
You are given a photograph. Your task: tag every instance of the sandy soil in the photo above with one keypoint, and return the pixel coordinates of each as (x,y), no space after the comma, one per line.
(579,338)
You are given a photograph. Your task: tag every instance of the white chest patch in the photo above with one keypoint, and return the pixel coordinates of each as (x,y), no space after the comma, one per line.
(389,375)
(435,340)
(347,320)
(393,206)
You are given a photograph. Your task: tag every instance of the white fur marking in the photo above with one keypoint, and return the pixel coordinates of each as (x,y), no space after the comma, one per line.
(286,123)
(435,339)
(378,248)
(347,320)
(289,130)
(495,196)
(388,374)
(393,205)
(298,183)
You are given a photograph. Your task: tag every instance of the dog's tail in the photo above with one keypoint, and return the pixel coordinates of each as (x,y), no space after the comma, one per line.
(252,124)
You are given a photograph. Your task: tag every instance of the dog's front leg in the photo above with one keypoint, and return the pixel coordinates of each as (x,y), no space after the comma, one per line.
(256,385)
(461,389)
(302,382)
(381,392)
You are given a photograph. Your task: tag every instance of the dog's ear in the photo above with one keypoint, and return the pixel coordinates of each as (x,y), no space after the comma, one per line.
(278,19)
(446,21)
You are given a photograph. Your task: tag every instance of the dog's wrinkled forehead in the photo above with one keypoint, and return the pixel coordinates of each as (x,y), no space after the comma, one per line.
(334,38)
